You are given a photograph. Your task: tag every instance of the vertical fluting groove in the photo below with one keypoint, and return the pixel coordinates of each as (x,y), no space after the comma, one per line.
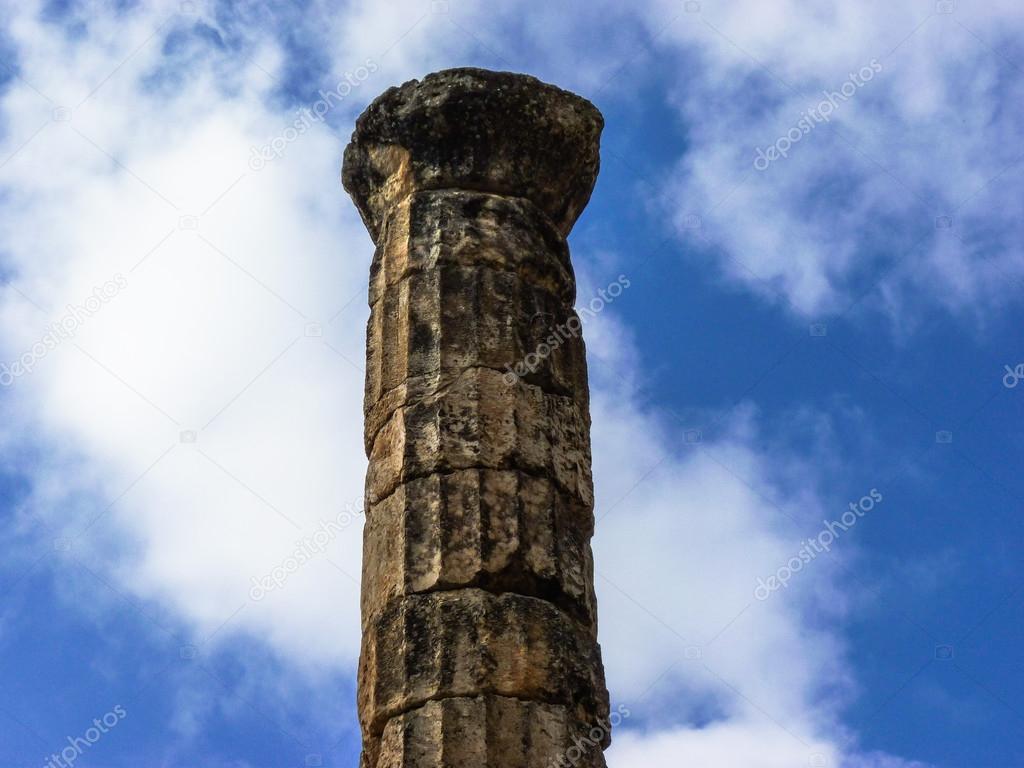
(478,616)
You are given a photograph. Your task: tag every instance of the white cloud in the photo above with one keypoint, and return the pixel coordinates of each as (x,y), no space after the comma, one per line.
(716,675)
(209,335)
(729,744)
(932,135)
(738,744)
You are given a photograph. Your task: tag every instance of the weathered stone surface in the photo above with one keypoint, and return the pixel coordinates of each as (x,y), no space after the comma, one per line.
(480,420)
(502,531)
(429,328)
(464,228)
(479,623)
(487,732)
(467,642)
(496,132)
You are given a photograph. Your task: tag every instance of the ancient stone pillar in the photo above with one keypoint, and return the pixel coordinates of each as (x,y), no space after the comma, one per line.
(478,617)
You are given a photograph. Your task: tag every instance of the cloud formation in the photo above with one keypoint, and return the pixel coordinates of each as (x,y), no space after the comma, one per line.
(207,420)
(910,177)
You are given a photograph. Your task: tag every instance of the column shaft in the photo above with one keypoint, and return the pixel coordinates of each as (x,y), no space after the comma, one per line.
(478,612)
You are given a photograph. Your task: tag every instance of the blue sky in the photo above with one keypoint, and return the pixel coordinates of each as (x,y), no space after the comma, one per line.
(842,321)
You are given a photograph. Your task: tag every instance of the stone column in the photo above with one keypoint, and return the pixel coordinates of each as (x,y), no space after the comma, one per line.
(478,616)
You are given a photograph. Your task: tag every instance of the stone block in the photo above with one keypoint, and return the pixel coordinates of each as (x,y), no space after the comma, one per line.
(500,530)
(428,329)
(458,227)
(480,420)
(487,732)
(467,642)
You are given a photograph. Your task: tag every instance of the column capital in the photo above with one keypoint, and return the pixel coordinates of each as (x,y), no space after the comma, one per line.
(498,132)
